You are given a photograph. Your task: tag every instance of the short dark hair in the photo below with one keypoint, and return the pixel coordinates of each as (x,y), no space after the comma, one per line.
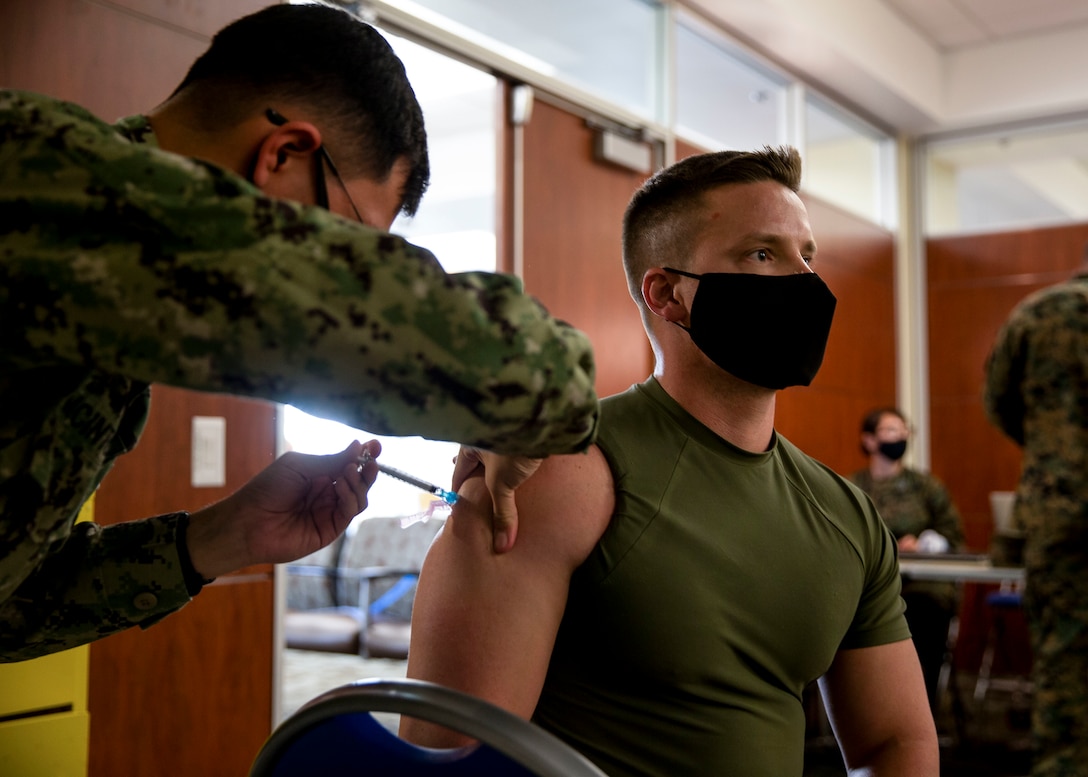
(871,420)
(335,64)
(658,222)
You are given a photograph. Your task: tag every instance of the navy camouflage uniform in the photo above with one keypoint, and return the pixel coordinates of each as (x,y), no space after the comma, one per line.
(122,265)
(1037,393)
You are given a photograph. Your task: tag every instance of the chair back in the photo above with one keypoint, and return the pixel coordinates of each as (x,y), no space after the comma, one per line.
(313,591)
(384,541)
(335,734)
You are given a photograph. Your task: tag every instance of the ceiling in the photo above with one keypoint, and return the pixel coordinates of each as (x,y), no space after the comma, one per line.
(954,24)
(930,70)
(942,70)
(925,66)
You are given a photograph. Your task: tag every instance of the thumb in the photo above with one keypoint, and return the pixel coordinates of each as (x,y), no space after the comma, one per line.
(504,521)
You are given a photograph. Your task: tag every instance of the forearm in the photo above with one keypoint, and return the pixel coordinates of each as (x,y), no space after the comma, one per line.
(944,517)
(101,581)
(876,701)
(901,758)
(359,327)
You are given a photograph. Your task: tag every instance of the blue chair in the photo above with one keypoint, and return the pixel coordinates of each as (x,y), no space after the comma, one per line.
(1000,603)
(335,734)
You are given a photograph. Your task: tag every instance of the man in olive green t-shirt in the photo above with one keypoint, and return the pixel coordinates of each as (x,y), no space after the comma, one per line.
(673,591)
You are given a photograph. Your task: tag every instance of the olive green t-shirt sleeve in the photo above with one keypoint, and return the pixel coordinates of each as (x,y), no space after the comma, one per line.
(879,618)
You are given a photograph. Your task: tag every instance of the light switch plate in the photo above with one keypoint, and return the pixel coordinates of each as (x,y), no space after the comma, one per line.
(209,461)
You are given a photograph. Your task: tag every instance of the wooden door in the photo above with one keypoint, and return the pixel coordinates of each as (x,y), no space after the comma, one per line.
(192,694)
(573,211)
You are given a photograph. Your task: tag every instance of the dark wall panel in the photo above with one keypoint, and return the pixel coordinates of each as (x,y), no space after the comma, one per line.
(974,281)
(572,243)
(973,284)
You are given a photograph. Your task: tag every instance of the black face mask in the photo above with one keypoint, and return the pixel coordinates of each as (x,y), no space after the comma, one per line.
(770,330)
(893,450)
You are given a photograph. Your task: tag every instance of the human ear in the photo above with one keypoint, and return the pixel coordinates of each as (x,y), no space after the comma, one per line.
(286,150)
(868,443)
(663,297)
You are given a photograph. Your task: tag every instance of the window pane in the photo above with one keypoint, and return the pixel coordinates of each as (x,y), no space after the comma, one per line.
(608,47)
(845,162)
(1011,180)
(724,100)
(456,220)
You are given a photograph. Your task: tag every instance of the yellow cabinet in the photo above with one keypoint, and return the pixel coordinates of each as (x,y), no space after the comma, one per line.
(44,723)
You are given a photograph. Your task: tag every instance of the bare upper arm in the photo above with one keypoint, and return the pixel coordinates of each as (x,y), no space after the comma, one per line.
(876,702)
(486,623)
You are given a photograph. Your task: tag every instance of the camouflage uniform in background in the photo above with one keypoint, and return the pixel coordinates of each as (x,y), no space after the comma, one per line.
(122,265)
(910,503)
(1037,393)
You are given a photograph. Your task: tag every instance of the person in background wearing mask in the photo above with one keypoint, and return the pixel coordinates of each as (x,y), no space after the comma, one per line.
(920,513)
(674,591)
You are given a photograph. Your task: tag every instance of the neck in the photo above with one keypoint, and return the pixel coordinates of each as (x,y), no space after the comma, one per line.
(738,412)
(178,132)
(882,468)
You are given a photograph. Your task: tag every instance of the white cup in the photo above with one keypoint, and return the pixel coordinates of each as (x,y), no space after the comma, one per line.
(1001,503)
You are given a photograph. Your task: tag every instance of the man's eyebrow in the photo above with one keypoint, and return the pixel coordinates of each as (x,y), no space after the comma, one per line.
(809,246)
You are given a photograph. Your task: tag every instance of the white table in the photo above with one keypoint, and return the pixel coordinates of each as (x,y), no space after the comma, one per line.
(979,571)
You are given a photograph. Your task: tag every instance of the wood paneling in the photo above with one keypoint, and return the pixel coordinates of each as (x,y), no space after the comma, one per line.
(973,283)
(190,695)
(155,477)
(209,665)
(572,243)
(112,60)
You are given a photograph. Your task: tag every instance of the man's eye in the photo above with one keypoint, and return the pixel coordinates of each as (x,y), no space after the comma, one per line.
(761,255)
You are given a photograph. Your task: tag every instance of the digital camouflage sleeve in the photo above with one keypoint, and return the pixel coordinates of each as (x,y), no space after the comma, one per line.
(1036,392)
(122,265)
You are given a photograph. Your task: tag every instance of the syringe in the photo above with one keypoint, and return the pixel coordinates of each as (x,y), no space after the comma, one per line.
(449,497)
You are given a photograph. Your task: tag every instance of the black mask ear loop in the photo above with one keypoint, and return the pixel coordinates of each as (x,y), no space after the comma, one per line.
(686,274)
(322,189)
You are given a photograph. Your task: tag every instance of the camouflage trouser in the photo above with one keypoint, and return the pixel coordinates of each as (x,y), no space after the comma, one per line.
(1056,602)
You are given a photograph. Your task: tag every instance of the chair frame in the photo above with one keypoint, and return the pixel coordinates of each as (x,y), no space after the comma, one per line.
(523,742)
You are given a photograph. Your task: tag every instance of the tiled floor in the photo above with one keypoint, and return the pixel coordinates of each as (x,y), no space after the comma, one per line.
(307,674)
